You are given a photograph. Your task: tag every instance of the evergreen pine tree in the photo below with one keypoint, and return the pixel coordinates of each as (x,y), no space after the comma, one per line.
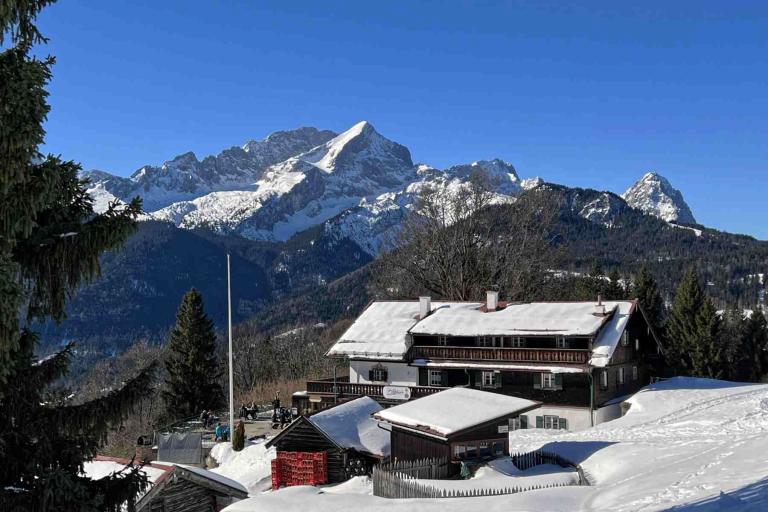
(614,290)
(692,331)
(193,373)
(755,345)
(733,338)
(50,242)
(645,289)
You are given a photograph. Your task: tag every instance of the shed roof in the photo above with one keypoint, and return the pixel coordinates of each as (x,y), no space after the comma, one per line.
(473,408)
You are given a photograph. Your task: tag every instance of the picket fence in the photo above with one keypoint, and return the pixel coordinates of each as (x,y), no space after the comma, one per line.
(400,480)
(523,461)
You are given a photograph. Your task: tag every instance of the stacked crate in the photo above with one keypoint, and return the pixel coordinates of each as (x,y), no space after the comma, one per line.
(299,468)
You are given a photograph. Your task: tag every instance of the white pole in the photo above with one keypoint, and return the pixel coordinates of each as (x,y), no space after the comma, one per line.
(231,380)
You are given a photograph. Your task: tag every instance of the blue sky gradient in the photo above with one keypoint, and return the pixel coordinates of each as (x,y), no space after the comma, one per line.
(592,95)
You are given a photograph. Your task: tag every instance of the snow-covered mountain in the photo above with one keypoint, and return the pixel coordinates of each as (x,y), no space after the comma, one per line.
(185,177)
(358,185)
(654,195)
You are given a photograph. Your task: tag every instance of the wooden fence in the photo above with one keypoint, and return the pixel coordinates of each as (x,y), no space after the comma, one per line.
(400,480)
(523,461)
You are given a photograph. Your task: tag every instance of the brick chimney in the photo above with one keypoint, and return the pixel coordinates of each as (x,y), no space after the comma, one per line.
(425,307)
(491,300)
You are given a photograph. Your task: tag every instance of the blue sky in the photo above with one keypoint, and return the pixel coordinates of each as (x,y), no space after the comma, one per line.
(589,95)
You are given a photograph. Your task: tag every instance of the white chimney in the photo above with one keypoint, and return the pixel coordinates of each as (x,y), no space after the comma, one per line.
(599,307)
(491,300)
(425,307)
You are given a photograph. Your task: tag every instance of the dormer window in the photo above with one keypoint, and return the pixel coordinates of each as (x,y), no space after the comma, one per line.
(378,373)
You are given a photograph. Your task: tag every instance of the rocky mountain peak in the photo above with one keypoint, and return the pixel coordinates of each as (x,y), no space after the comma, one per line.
(655,195)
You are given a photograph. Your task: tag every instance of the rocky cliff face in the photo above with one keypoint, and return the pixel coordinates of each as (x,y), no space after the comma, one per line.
(654,195)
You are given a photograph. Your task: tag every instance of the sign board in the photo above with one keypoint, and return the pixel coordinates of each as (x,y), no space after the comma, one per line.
(396,393)
(503,429)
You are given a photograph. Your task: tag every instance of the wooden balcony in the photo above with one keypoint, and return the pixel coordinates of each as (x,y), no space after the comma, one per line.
(325,387)
(496,354)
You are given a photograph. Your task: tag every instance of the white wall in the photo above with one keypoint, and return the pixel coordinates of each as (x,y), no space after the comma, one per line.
(399,374)
(578,417)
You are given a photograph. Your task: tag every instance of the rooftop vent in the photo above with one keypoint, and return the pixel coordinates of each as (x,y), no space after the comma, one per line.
(491,300)
(425,307)
(600,307)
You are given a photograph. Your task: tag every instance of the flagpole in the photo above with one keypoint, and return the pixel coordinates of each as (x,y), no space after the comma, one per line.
(231,380)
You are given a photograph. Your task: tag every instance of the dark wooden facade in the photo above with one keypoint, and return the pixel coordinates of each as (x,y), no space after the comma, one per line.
(303,436)
(486,439)
(182,490)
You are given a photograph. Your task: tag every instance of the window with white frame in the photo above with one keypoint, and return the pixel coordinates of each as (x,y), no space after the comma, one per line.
(547,381)
(497,341)
(378,373)
(561,342)
(491,379)
(484,341)
(442,340)
(621,375)
(516,342)
(604,379)
(551,422)
(435,378)
(634,373)
(625,338)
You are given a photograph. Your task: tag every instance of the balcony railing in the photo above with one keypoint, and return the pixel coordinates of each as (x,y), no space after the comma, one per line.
(506,355)
(352,389)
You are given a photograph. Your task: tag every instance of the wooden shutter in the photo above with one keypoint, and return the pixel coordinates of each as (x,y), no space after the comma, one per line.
(536,381)
(539,421)
(523,421)
(562,423)
(370,375)
(558,381)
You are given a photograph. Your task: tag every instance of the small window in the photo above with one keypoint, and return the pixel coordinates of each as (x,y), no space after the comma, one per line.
(637,344)
(548,381)
(561,342)
(497,341)
(634,373)
(491,380)
(435,378)
(621,375)
(517,342)
(442,340)
(518,423)
(378,374)
(459,451)
(625,338)
(483,341)
(551,422)
(604,379)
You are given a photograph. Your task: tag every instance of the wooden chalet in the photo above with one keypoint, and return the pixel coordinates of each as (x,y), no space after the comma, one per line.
(175,487)
(455,424)
(347,433)
(577,358)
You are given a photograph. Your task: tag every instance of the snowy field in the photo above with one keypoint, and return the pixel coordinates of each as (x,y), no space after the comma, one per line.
(685,445)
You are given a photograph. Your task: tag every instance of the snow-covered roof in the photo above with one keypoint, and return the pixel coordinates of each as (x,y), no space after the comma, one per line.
(380,332)
(606,342)
(351,425)
(431,414)
(525,319)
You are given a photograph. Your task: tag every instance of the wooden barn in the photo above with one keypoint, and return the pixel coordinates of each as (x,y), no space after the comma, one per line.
(456,424)
(175,487)
(347,433)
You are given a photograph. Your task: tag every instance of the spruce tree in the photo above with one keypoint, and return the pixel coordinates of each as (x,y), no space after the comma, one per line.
(755,345)
(193,373)
(50,242)
(645,289)
(733,338)
(692,331)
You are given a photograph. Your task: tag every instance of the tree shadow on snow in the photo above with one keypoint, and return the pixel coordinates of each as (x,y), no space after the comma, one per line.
(750,498)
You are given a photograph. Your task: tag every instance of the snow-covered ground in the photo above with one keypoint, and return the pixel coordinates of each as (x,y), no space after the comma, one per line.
(252,466)
(685,445)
